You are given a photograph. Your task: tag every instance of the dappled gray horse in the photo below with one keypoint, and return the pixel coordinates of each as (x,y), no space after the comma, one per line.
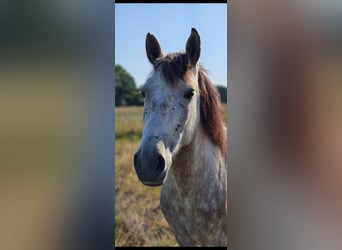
(184,144)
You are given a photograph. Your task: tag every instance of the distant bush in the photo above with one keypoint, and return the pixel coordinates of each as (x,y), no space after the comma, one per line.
(223,93)
(126,92)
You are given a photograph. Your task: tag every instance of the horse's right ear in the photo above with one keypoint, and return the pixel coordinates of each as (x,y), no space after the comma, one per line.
(153,49)
(193,47)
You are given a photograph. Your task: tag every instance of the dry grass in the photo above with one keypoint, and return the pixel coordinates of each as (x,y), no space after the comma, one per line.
(138,218)
(128,123)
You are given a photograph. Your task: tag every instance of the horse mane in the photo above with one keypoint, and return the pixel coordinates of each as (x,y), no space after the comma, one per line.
(173,68)
(211,115)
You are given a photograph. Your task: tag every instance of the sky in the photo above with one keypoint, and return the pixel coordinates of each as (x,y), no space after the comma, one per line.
(171,24)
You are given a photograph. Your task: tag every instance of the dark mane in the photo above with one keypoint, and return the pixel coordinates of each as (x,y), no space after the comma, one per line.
(173,68)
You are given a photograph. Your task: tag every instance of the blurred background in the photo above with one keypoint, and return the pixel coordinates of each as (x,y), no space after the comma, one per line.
(138,218)
(285,124)
(56,124)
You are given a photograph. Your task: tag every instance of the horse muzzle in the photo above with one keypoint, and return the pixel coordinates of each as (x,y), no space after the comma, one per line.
(150,167)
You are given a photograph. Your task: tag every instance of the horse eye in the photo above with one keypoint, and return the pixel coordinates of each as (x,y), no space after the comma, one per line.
(189,93)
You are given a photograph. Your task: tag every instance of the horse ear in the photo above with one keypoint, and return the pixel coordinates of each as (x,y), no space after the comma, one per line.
(153,49)
(193,47)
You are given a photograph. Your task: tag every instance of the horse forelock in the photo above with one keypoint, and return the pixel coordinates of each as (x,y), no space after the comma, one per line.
(173,67)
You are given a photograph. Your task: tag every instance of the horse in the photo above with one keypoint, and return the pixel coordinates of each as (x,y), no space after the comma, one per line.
(184,144)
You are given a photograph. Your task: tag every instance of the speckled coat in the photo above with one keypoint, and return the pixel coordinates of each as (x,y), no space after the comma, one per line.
(194,195)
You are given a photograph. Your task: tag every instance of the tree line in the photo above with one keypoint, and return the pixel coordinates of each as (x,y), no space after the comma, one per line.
(127,93)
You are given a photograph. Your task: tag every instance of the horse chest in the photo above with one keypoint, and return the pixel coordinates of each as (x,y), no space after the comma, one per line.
(193,222)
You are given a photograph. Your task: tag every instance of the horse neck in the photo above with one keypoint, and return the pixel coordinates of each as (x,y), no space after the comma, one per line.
(198,163)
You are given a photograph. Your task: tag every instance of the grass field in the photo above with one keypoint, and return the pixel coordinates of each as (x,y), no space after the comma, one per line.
(138,218)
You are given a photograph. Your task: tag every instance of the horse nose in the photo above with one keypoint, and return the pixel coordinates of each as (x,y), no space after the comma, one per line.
(150,167)
(151,162)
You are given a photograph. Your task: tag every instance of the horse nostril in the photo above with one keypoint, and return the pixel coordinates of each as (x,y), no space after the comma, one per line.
(135,159)
(160,164)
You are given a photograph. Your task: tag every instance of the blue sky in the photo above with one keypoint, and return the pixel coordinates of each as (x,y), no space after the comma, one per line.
(171,24)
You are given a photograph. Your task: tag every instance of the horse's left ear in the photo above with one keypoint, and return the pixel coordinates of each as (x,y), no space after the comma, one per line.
(153,48)
(193,47)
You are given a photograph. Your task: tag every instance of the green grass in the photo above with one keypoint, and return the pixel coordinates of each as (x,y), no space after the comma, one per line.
(138,217)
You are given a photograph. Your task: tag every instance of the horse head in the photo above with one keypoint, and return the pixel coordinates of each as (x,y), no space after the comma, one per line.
(171,108)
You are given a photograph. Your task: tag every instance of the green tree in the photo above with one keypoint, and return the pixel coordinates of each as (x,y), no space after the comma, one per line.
(126,92)
(223,93)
